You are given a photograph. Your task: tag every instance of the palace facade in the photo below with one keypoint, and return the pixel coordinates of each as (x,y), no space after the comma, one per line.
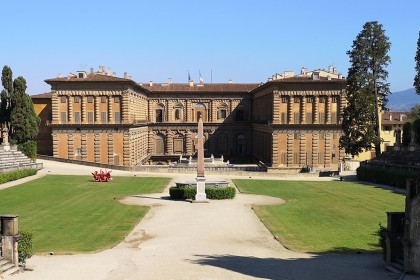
(289,122)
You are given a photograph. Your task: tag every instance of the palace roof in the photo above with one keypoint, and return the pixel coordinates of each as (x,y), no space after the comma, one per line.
(177,88)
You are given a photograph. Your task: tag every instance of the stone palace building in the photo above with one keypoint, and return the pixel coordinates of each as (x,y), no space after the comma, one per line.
(290,122)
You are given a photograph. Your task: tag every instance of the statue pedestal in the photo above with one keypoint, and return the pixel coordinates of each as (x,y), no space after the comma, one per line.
(201,190)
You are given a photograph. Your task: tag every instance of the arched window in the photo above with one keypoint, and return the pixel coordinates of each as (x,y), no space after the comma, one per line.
(159,113)
(200,111)
(178,112)
(222,112)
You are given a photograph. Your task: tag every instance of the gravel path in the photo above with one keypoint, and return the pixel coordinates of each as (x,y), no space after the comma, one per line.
(216,240)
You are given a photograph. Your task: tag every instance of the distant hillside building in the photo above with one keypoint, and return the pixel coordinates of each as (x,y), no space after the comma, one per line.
(287,123)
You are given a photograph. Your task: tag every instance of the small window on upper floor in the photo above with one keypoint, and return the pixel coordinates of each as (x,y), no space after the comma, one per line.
(309,99)
(284,99)
(322,99)
(77,99)
(103,99)
(334,99)
(90,99)
(117,99)
(296,99)
(222,113)
(63,99)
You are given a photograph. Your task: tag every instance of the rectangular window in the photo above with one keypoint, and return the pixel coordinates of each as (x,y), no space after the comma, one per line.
(321,158)
(63,117)
(90,99)
(283,158)
(296,99)
(309,118)
(334,117)
(222,114)
(116,99)
(297,118)
(117,117)
(103,99)
(321,117)
(76,117)
(322,136)
(63,99)
(103,117)
(296,158)
(309,99)
(283,118)
(296,136)
(322,99)
(309,158)
(284,99)
(77,99)
(90,117)
(334,99)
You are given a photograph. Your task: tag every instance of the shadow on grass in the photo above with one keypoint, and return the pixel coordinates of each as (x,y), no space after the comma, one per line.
(325,266)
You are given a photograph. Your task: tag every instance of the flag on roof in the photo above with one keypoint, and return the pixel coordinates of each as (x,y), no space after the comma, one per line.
(201,78)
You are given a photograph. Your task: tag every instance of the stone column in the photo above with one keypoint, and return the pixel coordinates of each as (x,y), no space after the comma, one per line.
(97,114)
(327,154)
(70,108)
(302,110)
(83,151)
(54,107)
(343,104)
(302,149)
(70,146)
(289,149)
(126,150)
(55,144)
(290,110)
(315,143)
(189,142)
(83,113)
(328,109)
(276,109)
(10,236)
(188,115)
(125,110)
(275,154)
(97,147)
(169,142)
(315,110)
(110,112)
(110,148)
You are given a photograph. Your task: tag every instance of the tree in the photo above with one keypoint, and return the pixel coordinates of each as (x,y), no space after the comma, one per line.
(414,113)
(6,95)
(417,59)
(407,131)
(367,90)
(24,121)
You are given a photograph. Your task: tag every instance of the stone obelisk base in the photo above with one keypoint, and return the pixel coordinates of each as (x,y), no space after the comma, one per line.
(201,190)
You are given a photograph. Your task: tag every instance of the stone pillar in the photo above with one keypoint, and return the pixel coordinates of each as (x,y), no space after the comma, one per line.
(97,114)
(70,108)
(70,146)
(275,154)
(290,110)
(83,151)
(302,110)
(315,110)
(10,235)
(169,142)
(276,109)
(188,113)
(110,112)
(189,142)
(83,113)
(55,144)
(289,149)
(327,154)
(328,109)
(342,105)
(125,111)
(110,148)
(126,150)
(54,107)
(302,149)
(97,147)
(315,143)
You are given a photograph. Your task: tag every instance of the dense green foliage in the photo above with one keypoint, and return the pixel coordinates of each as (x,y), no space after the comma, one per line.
(366,85)
(407,131)
(386,177)
(24,121)
(74,213)
(15,175)
(24,246)
(416,130)
(329,216)
(6,95)
(211,193)
(29,149)
(416,83)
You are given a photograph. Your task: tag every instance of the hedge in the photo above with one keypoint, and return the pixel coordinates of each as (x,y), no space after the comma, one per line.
(24,246)
(385,176)
(29,149)
(211,193)
(15,175)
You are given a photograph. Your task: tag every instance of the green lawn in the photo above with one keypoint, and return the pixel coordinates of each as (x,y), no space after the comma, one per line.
(69,214)
(324,216)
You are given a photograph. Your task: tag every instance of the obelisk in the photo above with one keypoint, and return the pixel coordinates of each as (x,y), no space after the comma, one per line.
(201,180)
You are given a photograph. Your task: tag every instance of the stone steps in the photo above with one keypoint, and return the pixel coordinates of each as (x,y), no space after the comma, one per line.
(7,268)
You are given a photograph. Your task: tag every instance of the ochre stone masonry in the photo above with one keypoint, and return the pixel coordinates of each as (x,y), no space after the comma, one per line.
(287,123)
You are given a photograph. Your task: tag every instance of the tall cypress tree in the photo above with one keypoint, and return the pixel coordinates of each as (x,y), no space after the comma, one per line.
(367,90)
(24,121)
(6,96)
(417,59)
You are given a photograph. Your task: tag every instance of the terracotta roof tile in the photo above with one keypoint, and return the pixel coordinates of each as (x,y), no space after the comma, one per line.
(42,95)
(90,78)
(396,117)
(200,88)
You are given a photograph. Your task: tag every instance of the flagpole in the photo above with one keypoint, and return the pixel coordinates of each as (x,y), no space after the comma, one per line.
(211,76)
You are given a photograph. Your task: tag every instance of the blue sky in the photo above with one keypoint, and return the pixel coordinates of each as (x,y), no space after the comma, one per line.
(246,41)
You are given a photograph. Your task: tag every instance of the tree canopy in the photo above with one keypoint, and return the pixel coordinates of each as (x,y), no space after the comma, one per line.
(416,83)
(366,90)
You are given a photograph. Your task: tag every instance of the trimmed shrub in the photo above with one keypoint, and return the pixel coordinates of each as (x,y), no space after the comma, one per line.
(24,246)
(29,149)
(211,193)
(386,177)
(15,175)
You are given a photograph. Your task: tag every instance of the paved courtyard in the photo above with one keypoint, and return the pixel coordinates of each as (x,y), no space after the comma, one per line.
(216,240)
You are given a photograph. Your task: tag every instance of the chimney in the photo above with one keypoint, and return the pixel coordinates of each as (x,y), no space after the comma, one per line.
(125,75)
(91,70)
(230,82)
(151,83)
(191,83)
(330,69)
(169,81)
(390,117)
(340,76)
(109,71)
(335,70)
(303,71)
